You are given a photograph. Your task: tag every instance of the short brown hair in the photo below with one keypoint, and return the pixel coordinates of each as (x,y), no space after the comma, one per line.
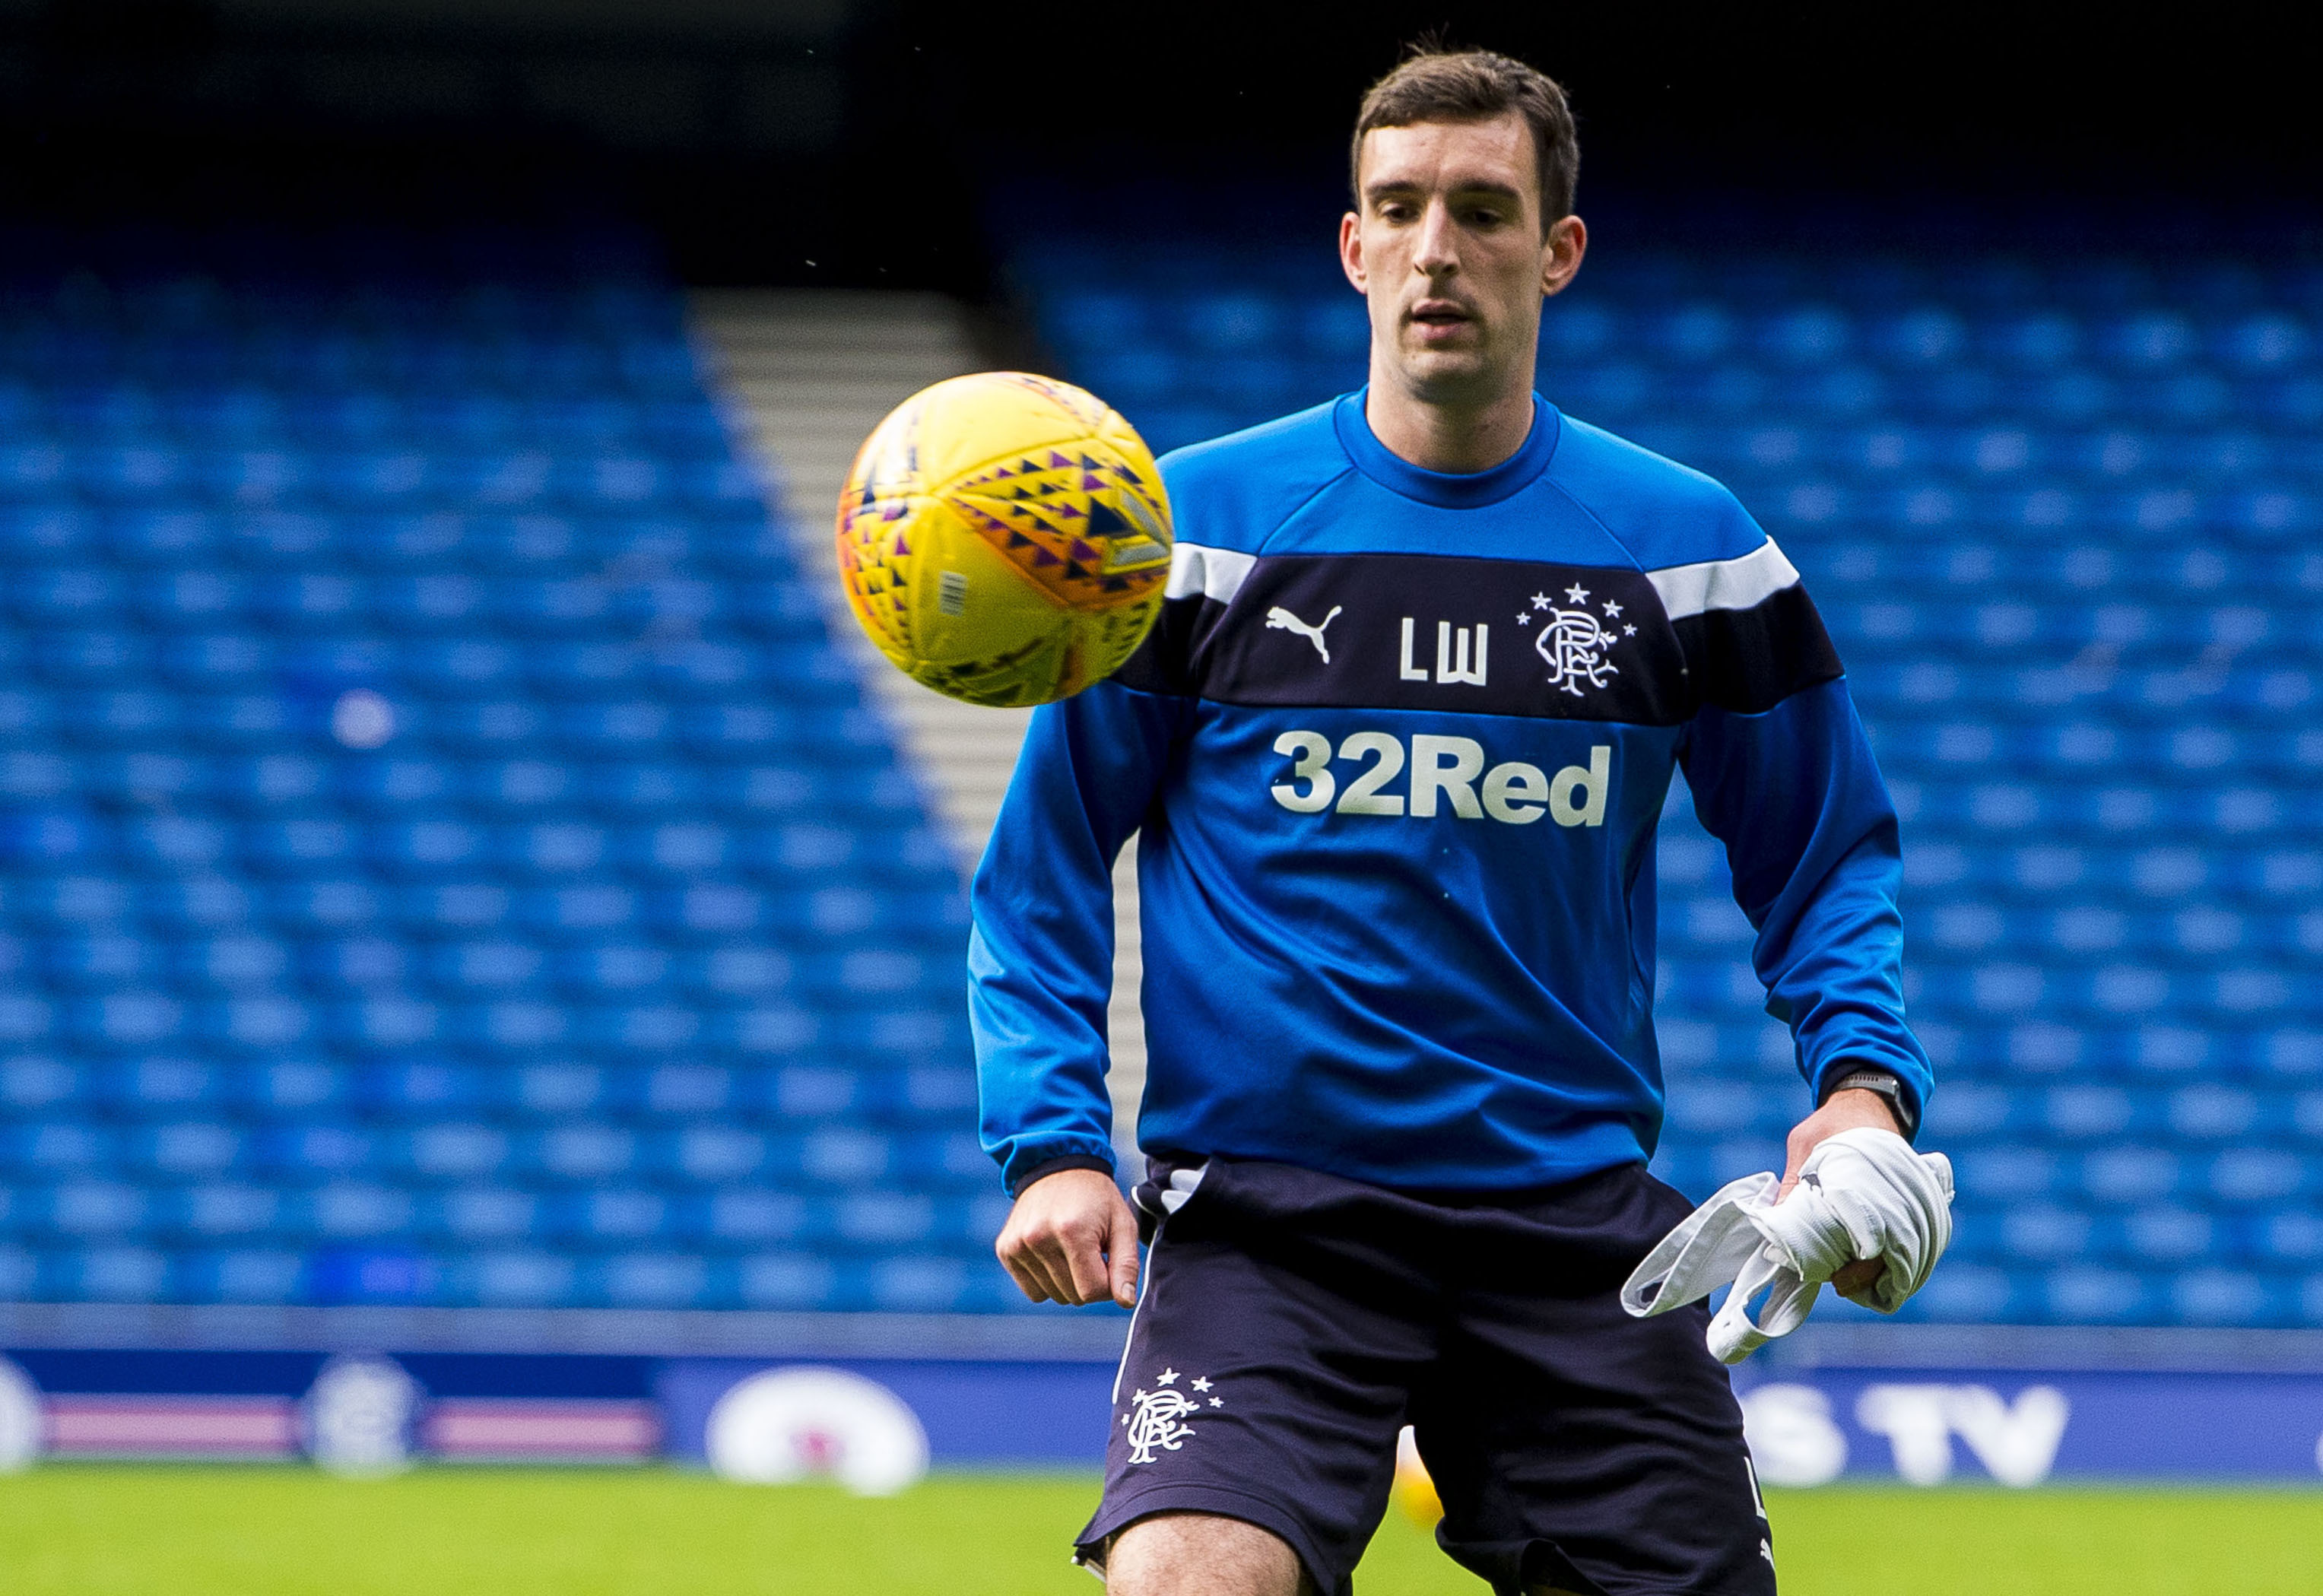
(1438,85)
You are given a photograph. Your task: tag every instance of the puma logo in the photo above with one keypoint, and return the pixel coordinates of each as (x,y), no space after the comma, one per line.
(1278,620)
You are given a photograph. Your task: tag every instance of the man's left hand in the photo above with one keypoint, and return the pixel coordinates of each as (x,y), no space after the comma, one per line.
(1850,1109)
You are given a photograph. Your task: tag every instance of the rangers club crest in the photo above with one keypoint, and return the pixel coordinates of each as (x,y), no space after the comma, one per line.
(1572,641)
(1156,1420)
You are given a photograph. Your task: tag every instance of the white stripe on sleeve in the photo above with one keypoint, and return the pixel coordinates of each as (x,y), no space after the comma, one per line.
(1213,573)
(1718,584)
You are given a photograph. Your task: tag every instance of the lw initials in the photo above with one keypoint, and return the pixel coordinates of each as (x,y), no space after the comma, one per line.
(1455,661)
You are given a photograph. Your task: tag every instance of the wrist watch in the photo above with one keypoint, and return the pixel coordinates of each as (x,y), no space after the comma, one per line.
(1887,1086)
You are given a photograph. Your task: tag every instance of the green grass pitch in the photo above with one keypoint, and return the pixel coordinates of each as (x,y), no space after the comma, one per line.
(128,1531)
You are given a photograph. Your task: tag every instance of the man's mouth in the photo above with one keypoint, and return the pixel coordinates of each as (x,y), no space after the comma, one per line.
(1439,317)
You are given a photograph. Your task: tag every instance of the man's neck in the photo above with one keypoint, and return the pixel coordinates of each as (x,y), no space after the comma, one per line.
(1453,438)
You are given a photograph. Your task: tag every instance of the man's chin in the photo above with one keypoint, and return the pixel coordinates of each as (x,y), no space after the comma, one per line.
(1448,376)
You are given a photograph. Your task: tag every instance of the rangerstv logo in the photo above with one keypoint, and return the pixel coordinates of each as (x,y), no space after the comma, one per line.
(1794,1440)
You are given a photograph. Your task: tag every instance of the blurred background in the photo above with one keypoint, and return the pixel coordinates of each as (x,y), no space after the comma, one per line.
(480,934)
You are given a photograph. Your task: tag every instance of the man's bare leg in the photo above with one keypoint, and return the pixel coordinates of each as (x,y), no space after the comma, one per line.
(1201,1555)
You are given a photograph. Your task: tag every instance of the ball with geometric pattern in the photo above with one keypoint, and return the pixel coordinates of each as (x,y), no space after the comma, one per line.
(1005,538)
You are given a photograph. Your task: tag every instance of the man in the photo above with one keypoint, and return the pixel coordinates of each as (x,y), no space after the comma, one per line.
(1396,751)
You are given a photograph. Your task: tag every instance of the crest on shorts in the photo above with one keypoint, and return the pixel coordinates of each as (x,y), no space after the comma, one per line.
(1156,1420)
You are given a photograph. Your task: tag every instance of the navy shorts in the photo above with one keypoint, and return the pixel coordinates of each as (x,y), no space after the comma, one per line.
(1292,1323)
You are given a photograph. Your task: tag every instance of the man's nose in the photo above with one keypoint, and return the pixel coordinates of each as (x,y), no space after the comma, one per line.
(1435,254)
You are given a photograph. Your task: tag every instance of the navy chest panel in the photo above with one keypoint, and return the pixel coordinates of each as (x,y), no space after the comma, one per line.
(1447,634)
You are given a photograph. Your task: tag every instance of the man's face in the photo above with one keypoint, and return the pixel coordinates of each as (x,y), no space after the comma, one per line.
(1448,248)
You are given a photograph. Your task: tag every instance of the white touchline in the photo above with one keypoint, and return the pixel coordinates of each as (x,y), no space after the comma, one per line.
(1278,620)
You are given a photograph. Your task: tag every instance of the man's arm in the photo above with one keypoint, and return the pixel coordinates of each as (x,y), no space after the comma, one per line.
(1039,968)
(1811,835)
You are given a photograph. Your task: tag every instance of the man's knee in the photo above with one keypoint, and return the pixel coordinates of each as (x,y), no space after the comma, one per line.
(1201,1555)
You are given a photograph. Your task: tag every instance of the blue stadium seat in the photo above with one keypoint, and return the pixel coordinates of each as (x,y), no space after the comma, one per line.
(401,784)
(223,1211)
(416,1088)
(797,1281)
(457,665)
(610,1215)
(255,1275)
(2229,1297)
(187,1149)
(848,1156)
(582,1152)
(77,596)
(30,1083)
(2130,1173)
(745,1217)
(949,1163)
(942,1091)
(109,1274)
(2045,1232)
(711,1154)
(883,1220)
(653,1279)
(457,1150)
(316,1148)
(2283,1239)
(599,909)
(91,1206)
(462,968)
(475,1214)
(516,1279)
(2098,1294)
(1970,1293)
(921,1284)
(35,529)
(51,1149)
(2168,1236)
(2011,1171)
(2101,1114)
(287,1088)
(352,1210)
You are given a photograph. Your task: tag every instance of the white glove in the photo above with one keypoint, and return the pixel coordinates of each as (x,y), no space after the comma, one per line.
(1861,1194)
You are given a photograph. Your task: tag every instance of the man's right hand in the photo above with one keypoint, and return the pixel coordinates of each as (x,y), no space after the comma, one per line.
(1071,1238)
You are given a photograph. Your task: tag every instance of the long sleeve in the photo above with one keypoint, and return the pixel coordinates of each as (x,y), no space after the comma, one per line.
(1811,834)
(1040,956)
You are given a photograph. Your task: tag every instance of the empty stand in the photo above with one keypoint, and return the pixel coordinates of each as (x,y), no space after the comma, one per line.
(442,857)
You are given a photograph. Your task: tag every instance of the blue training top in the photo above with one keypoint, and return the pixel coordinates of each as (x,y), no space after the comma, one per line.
(1396,751)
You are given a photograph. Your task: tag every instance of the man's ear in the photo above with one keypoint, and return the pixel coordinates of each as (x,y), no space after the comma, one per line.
(1351,251)
(1561,252)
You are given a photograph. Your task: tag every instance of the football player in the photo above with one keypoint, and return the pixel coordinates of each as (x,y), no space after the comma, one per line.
(1395,754)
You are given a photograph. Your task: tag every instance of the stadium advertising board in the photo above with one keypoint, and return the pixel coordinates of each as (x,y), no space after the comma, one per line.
(2023,1427)
(875,1423)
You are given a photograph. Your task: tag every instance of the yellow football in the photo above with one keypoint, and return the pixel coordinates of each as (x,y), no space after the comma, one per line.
(1005,538)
